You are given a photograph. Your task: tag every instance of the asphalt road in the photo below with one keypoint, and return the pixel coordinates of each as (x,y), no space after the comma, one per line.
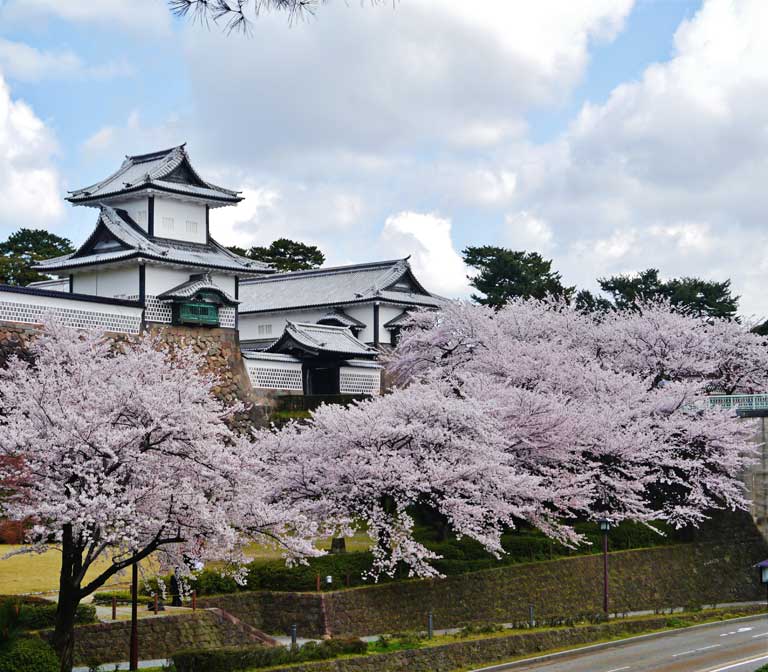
(732,646)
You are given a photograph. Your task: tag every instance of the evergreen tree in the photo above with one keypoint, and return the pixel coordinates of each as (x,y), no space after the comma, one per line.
(701,297)
(284,255)
(26,247)
(504,274)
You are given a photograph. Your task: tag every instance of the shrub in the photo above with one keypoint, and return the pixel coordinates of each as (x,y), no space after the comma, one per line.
(39,615)
(397,642)
(245,658)
(122,596)
(27,654)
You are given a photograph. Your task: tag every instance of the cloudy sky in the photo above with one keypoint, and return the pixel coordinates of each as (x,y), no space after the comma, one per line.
(609,135)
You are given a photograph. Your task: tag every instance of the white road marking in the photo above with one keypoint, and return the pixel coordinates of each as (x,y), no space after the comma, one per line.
(683,653)
(762,634)
(743,629)
(704,648)
(618,669)
(739,664)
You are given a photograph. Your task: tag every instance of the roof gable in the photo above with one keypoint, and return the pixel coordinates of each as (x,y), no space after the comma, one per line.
(318,340)
(131,241)
(167,170)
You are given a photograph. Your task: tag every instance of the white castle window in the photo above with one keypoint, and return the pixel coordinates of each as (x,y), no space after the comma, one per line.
(168,223)
(141,217)
(192,226)
(265,330)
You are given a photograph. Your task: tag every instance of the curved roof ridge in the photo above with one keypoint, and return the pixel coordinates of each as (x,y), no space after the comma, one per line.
(329,270)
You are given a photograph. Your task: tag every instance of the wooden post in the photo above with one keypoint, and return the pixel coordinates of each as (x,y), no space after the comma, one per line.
(347,581)
(155,604)
(114,608)
(194,600)
(317,582)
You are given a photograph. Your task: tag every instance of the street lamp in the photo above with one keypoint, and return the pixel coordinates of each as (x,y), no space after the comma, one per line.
(605,527)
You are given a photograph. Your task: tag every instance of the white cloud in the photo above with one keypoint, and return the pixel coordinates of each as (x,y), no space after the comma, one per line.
(30,187)
(147,16)
(26,63)
(133,137)
(367,81)
(427,238)
(670,171)
(525,231)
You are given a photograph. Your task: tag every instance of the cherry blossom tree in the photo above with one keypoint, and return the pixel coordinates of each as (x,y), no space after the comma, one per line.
(120,452)
(535,412)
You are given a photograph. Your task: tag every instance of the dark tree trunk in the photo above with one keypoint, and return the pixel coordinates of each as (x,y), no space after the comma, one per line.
(338,545)
(69,598)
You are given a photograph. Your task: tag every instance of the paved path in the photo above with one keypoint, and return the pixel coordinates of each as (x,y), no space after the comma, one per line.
(739,645)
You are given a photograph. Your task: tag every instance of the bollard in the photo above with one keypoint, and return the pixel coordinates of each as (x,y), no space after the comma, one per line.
(531,619)
(194,600)
(114,608)
(294,637)
(155,604)
(430,626)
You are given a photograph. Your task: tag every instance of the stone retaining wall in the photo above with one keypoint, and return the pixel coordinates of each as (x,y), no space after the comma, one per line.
(481,652)
(160,637)
(657,578)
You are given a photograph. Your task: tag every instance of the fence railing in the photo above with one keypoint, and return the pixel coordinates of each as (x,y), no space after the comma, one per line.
(742,403)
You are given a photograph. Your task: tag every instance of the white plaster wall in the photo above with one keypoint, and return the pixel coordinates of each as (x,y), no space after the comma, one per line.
(226,282)
(364,313)
(31,309)
(137,208)
(179,213)
(114,282)
(85,283)
(160,279)
(118,282)
(249,324)
(387,313)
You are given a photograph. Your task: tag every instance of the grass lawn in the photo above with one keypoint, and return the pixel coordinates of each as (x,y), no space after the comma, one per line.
(39,573)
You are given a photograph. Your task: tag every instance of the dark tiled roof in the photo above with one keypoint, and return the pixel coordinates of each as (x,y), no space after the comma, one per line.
(341,285)
(191,288)
(338,315)
(166,170)
(320,339)
(132,242)
(397,321)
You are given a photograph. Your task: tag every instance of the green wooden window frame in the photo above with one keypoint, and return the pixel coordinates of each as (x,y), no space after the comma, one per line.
(196,312)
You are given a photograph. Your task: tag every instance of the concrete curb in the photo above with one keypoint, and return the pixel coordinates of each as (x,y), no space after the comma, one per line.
(609,645)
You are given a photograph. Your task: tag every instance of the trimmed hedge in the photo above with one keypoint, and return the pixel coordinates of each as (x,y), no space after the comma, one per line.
(242,658)
(27,654)
(460,556)
(39,616)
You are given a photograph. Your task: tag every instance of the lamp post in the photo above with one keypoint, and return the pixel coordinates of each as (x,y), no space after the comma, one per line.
(605,527)
(134,648)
